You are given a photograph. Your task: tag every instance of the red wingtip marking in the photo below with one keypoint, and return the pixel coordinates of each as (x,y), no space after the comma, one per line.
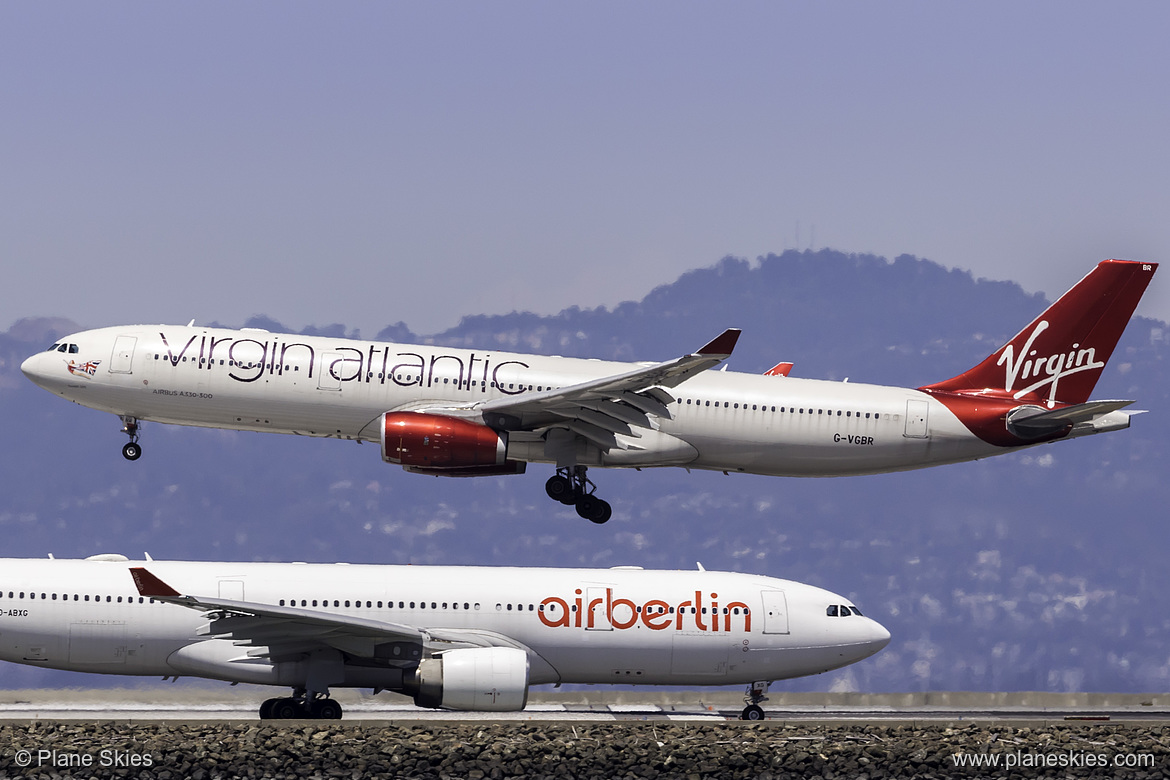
(780,369)
(723,344)
(150,585)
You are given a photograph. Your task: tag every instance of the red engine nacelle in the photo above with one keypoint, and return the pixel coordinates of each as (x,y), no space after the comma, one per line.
(432,441)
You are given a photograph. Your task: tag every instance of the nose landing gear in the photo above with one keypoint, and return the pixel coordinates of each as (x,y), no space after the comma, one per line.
(132,449)
(756,693)
(571,486)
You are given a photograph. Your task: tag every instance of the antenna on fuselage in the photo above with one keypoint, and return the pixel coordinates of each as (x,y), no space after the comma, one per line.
(191,324)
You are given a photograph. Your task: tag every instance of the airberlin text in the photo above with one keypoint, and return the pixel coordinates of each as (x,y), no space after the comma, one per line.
(603,611)
(251,359)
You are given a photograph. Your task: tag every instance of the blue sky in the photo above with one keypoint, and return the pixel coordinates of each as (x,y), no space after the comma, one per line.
(368,163)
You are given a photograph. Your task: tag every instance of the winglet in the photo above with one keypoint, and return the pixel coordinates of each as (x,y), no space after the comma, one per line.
(150,585)
(722,344)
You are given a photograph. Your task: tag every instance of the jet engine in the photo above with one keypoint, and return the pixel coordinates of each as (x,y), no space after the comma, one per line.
(430,441)
(480,679)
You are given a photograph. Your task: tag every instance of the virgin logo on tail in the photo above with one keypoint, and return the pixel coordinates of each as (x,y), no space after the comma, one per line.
(1047,357)
(1050,368)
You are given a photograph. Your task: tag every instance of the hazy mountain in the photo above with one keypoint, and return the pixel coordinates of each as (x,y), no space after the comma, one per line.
(1041,570)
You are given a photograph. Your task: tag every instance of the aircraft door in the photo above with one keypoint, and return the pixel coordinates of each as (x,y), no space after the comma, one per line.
(596,618)
(704,654)
(97,643)
(329,377)
(775,611)
(916,422)
(231,589)
(122,359)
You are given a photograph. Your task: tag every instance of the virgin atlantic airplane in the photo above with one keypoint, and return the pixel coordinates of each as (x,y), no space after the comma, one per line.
(451,637)
(466,413)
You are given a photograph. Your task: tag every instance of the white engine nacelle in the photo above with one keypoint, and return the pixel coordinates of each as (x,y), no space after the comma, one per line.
(481,679)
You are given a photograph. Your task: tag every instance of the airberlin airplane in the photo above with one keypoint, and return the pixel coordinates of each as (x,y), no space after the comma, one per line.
(453,637)
(465,413)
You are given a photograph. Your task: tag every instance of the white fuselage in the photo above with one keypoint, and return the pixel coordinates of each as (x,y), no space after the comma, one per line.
(576,625)
(327,387)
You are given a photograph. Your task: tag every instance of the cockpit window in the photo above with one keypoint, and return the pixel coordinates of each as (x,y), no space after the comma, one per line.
(857,611)
(52,348)
(832,610)
(61,347)
(73,349)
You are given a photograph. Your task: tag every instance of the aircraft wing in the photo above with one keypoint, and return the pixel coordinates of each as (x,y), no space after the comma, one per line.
(600,408)
(281,633)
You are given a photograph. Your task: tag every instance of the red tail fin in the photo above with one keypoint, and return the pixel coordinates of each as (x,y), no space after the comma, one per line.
(1059,357)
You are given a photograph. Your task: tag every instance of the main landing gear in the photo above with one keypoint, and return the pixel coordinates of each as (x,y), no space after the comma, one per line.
(300,705)
(571,486)
(756,693)
(132,450)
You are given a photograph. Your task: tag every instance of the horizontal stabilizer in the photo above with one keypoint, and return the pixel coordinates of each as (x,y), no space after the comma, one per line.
(1030,422)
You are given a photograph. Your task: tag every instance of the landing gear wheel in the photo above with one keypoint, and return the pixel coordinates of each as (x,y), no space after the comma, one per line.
(560,488)
(130,427)
(266,709)
(752,712)
(325,709)
(287,709)
(594,509)
(571,486)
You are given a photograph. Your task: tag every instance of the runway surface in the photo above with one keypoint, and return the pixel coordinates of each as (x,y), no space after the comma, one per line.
(180,703)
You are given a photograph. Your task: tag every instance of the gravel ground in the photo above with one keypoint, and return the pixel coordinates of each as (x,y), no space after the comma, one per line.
(203,751)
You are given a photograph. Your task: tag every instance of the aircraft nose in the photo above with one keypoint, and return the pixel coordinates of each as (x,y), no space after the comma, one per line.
(866,636)
(879,636)
(31,367)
